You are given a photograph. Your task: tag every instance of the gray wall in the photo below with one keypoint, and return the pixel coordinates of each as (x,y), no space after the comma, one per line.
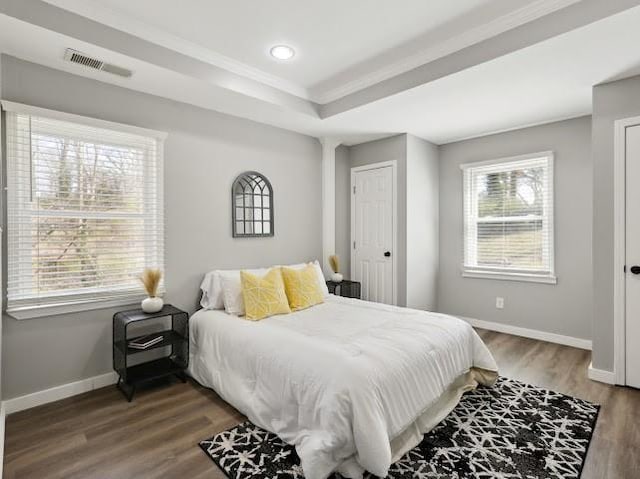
(611,102)
(387,149)
(417,249)
(203,153)
(343,209)
(564,308)
(422,222)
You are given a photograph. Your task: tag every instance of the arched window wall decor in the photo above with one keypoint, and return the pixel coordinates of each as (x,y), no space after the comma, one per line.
(252,206)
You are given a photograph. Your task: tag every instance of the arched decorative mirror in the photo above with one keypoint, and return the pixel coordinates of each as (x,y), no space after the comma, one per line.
(252,204)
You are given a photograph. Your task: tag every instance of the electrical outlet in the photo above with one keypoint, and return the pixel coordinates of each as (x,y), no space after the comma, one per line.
(499,302)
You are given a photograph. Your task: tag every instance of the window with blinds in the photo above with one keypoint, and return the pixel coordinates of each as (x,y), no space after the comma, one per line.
(508,218)
(85,210)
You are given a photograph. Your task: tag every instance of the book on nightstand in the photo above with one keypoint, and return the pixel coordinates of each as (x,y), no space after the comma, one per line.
(145,342)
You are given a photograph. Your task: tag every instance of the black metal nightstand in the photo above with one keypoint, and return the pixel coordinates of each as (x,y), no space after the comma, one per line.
(175,342)
(346,288)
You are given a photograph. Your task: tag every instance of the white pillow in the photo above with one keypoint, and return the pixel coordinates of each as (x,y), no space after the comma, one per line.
(211,291)
(319,274)
(211,286)
(232,289)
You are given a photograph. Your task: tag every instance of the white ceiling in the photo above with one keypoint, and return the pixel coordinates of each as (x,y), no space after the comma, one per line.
(327,35)
(337,42)
(549,81)
(541,81)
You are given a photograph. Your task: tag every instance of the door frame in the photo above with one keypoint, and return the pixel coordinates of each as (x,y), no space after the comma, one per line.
(619,247)
(394,223)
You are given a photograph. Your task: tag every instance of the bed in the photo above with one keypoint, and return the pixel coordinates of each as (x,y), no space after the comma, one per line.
(351,384)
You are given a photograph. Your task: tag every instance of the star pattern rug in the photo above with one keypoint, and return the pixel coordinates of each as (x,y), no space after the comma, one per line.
(511,430)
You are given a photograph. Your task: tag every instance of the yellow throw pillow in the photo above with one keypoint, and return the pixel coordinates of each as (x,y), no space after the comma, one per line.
(302,287)
(263,296)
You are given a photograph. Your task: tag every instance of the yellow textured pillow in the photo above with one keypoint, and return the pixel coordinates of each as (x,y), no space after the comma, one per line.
(302,287)
(263,297)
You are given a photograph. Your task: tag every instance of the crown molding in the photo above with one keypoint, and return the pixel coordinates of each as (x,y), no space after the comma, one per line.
(94,11)
(531,12)
(573,116)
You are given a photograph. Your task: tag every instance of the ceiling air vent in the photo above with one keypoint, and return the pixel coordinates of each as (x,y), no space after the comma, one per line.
(80,58)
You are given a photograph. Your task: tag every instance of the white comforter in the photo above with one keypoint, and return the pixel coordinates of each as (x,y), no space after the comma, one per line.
(338,380)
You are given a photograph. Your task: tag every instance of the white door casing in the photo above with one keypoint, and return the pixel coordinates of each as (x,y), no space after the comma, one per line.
(632,253)
(373,231)
(626,133)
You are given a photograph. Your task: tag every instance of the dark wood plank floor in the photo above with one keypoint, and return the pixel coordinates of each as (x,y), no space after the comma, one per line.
(100,435)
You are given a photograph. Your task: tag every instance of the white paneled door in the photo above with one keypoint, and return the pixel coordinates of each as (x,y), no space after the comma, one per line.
(632,283)
(373,232)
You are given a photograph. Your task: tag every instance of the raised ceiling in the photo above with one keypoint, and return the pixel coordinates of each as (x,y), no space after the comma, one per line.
(328,36)
(441,70)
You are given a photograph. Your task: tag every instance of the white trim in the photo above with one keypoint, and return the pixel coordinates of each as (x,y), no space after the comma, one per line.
(619,247)
(573,116)
(21,307)
(23,109)
(375,166)
(504,276)
(30,312)
(394,248)
(470,269)
(600,375)
(527,156)
(529,333)
(432,52)
(3,418)
(59,392)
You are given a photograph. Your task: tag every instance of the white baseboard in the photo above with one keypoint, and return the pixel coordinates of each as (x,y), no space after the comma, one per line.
(58,392)
(529,333)
(601,375)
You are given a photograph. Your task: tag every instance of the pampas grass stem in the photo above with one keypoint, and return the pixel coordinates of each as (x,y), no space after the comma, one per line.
(151,280)
(334,262)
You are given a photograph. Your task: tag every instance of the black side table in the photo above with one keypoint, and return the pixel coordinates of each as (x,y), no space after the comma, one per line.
(176,338)
(345,288)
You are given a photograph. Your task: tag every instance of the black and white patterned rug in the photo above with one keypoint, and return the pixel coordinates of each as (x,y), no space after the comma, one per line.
(511,430)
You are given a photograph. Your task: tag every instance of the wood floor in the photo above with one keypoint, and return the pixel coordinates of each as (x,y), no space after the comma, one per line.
(100,435)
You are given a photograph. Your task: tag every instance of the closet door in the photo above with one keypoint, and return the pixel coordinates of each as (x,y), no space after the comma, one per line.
(373,233)
(632,283)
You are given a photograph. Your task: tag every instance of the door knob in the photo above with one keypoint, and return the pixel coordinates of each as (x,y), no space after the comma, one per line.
(388,253)
(635,269)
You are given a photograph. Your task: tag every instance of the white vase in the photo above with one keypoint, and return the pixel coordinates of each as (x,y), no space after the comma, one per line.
(152,305)
(336,277)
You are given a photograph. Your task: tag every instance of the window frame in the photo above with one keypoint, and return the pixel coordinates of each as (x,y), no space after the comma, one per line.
(75,301)
(469,267)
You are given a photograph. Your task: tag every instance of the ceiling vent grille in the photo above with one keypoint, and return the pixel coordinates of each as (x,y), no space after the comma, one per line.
(80,58)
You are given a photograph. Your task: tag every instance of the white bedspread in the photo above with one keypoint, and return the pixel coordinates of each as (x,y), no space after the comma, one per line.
(338,380)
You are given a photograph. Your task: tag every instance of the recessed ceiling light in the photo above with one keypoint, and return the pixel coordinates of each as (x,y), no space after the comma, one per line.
(282,52)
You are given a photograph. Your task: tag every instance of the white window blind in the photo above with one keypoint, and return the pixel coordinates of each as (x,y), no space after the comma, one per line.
(508,218)
(85,210)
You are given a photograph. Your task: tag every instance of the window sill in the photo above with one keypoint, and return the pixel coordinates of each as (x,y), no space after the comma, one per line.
(31,312)
(504,276)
